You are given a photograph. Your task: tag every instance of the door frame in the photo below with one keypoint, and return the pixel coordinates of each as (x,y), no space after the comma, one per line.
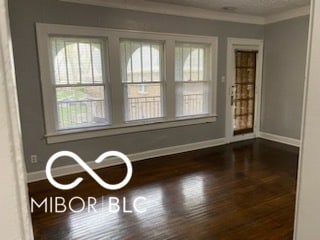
(14,194)
(249,45)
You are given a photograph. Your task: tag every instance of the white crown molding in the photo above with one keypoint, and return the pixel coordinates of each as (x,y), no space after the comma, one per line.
(298,12)
(75,168)
(170,9)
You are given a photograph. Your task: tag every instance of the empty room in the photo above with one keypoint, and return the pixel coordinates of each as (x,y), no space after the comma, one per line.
(159,119)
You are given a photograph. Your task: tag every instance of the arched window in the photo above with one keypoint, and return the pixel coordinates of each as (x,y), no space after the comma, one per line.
(78,81)
(192,79)
(142,70)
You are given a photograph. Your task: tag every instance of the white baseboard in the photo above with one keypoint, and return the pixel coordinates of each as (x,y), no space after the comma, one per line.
(280,139)
(74,168)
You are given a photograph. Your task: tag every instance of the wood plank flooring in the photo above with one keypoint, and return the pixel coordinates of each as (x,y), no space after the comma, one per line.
(239,191)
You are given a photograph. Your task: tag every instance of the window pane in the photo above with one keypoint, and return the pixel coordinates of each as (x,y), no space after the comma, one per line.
(73,64)
(80,107)
(186,61)
(141,61)
(178,64)
(136,61)
(77,61)
(146,104)
(146,62)
(86,62)
(192,99)
(202,65)
(190,62)
(96,50)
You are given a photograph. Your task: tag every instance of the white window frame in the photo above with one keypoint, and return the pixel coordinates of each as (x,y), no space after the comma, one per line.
(113,74)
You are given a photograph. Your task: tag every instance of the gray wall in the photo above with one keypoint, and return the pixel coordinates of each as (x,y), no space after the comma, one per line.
(285,48)
(24,14)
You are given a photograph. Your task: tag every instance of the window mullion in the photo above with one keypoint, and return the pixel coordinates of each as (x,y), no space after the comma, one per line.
(169,87)
(116,85)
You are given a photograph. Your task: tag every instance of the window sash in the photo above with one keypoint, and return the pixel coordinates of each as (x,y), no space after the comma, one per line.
(69,53)
(192,62)
(145,56)
(75,112)
(142,107)
(192,99)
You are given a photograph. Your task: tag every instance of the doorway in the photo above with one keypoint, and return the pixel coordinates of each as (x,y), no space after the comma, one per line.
(244,73)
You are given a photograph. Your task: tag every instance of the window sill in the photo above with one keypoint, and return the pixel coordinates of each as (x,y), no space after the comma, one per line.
(73,135)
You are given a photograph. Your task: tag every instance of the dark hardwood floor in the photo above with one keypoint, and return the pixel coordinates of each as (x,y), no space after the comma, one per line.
(239,191)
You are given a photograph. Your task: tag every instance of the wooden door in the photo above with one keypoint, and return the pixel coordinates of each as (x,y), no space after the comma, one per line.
(243,98)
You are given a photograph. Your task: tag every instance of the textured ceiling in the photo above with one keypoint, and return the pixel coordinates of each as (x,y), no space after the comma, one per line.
(251,7)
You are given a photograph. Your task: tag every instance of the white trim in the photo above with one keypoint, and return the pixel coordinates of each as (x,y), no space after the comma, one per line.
(243,137)
(74,30)
(308,191)
(71,169)
(280,139)
(171,9)
(312,29)
(118,130)
(243,44)
(16,218)
(294,13)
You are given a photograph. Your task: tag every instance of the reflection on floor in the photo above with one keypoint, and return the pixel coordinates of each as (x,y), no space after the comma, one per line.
(240,191)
